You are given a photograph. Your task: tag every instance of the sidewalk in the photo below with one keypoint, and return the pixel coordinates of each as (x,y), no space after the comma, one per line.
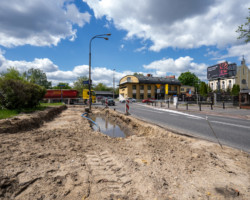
(233,112)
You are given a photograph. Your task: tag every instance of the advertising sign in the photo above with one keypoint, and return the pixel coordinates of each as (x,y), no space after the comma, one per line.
(166,89)
(221,70)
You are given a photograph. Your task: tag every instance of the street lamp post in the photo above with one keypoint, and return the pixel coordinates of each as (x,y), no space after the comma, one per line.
(90,81)
(114,84)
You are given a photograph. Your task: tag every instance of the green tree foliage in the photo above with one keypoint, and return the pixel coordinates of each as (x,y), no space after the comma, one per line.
(102,87)
(12,73)
(235,90)
(188,78)
(138,74)
(209,89)
(244,30)
(203,89)
(228,90)
(18,94)
(38,77)
(65,86)
(78,84)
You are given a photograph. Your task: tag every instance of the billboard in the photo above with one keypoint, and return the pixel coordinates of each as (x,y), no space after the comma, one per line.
(221,70)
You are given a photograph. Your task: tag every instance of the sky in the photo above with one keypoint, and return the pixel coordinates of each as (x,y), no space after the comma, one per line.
(160,37)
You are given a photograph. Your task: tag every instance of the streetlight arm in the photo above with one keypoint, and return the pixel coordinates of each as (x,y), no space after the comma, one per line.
(90,82)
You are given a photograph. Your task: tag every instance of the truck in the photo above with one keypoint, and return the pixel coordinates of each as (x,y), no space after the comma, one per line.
(85,96)
(68,96)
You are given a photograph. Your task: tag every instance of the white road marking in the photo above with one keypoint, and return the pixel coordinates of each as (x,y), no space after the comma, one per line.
(176,112)
(150,110)
(241,126)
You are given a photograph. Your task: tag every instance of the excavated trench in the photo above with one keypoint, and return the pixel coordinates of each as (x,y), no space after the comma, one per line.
(109,126)
(66,159)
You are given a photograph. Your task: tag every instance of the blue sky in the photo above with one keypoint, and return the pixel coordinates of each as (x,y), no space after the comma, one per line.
(162,37)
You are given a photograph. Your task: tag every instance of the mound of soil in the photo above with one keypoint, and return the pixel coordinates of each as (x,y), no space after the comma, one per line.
(66,159)
(29,121)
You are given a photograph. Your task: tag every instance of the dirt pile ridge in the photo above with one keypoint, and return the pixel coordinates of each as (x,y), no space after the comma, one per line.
(66,159)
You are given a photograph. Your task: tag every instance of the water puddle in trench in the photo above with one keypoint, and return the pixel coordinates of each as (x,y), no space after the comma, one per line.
(109,127)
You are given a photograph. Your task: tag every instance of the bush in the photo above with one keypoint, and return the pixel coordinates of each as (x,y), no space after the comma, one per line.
(18,94)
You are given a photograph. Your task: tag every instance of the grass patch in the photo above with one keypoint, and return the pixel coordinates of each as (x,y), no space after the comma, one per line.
(51,104)
(4,113)
(7,113)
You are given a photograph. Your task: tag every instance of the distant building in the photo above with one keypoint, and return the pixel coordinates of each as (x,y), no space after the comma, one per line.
(142,87)
(224,75)
(243,76)
(187,90)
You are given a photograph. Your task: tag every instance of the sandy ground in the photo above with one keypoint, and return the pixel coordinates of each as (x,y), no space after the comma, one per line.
(66,159)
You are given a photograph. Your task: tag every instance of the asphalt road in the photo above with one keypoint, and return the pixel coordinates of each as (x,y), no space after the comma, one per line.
(231,132)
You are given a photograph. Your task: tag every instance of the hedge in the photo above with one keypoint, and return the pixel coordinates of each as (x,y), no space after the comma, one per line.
(18,94)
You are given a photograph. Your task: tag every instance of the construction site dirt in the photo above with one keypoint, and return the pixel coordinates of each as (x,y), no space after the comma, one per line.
(63,157)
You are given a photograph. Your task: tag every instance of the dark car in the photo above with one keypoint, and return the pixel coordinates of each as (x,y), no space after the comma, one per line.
(109,101)
(149,100)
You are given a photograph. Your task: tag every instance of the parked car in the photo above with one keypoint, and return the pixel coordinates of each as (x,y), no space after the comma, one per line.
(149,100)
(131,99)
(109,100)
(122,101)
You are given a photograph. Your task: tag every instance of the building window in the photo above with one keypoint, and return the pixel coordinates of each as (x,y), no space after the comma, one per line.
(175,88)
(182,89)
(223,85)
(141,96)
(128,79)
(134,87)
(141,87)
(244,81)
(134,96)
(149,95)
(149,87)
(212,86)
(230,84)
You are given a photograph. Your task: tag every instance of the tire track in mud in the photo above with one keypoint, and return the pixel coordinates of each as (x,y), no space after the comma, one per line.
(107,179)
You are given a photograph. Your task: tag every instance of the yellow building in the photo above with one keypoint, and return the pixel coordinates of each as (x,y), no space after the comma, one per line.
(143,87)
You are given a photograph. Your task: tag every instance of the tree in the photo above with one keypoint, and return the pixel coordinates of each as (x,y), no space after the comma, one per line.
(188,78)
(244,29)
(12,73)
(138,74)
(65,86)
(79,86)
(38,77)
(102,87)
(203,89)
(235,90)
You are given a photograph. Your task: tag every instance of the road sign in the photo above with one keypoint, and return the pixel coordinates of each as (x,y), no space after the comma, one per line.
(158,85)
(85,82)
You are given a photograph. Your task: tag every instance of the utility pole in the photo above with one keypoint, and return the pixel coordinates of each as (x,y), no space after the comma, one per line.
(113,83)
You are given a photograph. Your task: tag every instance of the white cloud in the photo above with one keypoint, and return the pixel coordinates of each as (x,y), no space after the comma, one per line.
(239,51)
(168,66)
(54,74)
(181,24)
(38,22)
(104,75)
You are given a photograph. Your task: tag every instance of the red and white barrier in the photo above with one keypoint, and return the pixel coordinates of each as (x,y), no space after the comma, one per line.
(127,107)
(106,102)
